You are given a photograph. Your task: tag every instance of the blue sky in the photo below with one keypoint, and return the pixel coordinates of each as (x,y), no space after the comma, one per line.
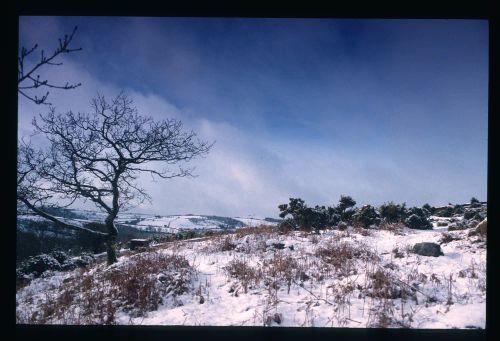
(377,109)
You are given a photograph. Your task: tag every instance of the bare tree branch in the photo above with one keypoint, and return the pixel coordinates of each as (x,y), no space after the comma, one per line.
(26,79)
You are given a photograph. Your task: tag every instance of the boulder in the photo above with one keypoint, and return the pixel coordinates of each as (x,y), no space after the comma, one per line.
(481,227)
(428,249)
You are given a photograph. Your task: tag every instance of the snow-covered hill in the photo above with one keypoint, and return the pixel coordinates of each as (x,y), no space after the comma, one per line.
(158,223)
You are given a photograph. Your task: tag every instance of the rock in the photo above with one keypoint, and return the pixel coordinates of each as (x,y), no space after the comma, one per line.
(277,318)
(428,249)
(481,227)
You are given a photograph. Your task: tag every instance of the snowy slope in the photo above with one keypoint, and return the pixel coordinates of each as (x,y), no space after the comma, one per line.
(434,292)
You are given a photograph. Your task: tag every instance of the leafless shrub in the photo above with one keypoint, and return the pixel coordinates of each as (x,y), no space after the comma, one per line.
(219,242)
(470,272)
(136,286)
(449,285)
(398,253)
(227,244)
(359,229)
(448,237)
(247,275)
(393,227)
(281,269)
(343,256)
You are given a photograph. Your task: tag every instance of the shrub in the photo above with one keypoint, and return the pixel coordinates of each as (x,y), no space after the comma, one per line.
(469,214)
(445,212)
(246,274)
(137,286)
(419,211)
(345,202)
(473,200)
(344,208)
(305,217)
(457,209)
(342,226)
(282,269)
(429,208)
(343,255)
(393,213)
(415,221)
(367,216)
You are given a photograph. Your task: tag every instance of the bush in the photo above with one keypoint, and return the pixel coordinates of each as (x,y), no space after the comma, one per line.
(305,217)
(37,265)
(429,208)
(342,256)
(344,208)
(469,214)
(421,212)
(247,275)
(457,209)
(415,221)
(445,212)
(393,213)
(367,216)
(137,286)
(346,202)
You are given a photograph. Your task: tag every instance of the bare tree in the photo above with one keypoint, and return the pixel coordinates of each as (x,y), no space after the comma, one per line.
(32,193)
(99,156)
(28,78)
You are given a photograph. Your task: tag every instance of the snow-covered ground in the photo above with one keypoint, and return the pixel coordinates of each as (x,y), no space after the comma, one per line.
(370,279)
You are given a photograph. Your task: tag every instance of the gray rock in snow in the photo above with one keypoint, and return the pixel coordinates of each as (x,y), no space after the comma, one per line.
(428,249)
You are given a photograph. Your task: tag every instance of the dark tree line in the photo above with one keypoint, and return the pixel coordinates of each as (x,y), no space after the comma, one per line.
(299,216)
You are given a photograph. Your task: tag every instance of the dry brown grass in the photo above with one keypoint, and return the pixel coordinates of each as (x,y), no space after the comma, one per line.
(255,230)
(342,256)
(94,297)
(392,227)
(248,276)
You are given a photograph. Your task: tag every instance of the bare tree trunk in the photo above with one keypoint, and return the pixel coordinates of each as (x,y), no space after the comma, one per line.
(111,250)
(111,239)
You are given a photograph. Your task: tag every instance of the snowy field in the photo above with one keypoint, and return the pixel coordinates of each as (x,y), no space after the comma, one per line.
(164,224)
(352,278)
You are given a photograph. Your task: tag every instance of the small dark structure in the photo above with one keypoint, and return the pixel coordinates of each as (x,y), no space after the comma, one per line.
(138,243)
